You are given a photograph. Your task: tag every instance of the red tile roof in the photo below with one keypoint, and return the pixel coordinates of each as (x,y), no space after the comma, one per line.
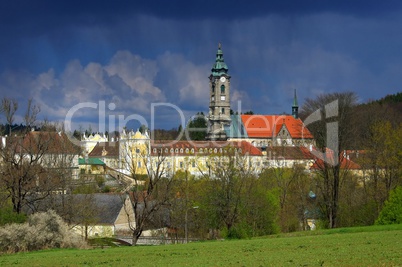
(105,149)
(329,157)
(263,126)
(289,153)
(43,142)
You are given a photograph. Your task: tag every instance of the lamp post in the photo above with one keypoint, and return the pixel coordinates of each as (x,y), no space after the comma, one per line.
(186,223)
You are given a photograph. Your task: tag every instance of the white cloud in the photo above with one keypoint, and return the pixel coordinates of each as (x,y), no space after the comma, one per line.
(187,82)
(128,81)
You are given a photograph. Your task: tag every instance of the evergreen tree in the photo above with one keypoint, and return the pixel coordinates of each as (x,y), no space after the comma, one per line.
(197,127)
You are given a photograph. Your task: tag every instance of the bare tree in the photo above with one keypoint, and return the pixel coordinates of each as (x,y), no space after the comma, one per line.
(21,168)
(8,108)
(329,119)
(31,114)
(152,183)
(35,164)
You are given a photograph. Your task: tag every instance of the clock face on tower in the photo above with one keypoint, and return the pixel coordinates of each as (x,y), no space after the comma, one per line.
(223,79)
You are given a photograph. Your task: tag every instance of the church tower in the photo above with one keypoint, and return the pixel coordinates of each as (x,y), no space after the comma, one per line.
(295,107)
(219,99)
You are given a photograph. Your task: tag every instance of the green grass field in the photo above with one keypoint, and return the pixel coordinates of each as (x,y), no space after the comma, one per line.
(360,246)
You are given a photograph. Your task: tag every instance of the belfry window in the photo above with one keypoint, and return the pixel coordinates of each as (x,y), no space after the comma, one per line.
(222,89)
(213,88)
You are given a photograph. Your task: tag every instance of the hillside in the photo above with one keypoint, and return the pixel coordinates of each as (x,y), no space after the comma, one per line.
(362,246)
(390,99)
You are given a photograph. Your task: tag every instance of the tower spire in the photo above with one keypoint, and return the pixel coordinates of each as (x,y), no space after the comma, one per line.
(219,66)
(295,106)
(219,95)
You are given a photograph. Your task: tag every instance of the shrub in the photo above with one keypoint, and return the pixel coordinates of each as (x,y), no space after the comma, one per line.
(391,213)
(238,231)
(43,230)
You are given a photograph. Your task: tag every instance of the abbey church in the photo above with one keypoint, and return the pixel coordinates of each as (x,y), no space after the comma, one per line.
(262,139)
(260,130)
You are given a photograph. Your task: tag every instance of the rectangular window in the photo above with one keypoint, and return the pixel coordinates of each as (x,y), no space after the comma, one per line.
(223,110)
(223,98)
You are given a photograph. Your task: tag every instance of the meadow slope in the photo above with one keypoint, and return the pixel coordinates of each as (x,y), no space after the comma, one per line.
(362,246)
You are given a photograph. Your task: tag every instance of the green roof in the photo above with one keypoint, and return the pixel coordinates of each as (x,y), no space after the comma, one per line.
(236,128)
(90,161)
(219,66)
(295,100)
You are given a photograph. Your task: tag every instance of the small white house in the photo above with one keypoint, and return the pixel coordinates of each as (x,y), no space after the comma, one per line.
(111,214)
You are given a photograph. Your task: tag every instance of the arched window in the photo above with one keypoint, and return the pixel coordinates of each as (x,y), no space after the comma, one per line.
(213,88)
(200,150)
(181,150)
(222,89)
